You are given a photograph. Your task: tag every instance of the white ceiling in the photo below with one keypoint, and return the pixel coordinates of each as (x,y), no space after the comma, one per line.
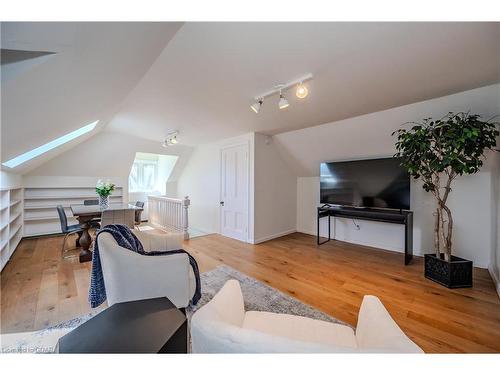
(369,136)
(204,80)
(146,79)
(95,66)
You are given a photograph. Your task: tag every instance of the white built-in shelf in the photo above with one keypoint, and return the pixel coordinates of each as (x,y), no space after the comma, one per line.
(14,216)
(64,187)
(60,197)
(41,218)
(44,207)
(40,203)
(11,213)
(14,230)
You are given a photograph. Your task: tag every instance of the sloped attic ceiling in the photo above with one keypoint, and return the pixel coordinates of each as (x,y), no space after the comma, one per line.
(146,79)
(109,154)
(94,67)
(205,79)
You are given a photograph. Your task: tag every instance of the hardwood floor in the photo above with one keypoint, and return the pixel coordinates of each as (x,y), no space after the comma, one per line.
(39,289)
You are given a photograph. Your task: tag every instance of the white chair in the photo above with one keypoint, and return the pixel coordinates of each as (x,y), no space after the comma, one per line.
(129,276)
(223,326)
(125,217)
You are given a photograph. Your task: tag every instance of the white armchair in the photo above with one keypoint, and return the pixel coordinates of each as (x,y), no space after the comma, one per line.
(223,326)
(129,276)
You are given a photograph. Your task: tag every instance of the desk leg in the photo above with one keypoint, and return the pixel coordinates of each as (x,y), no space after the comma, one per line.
(85,241)
(317,233)
(408,239)
(329,234)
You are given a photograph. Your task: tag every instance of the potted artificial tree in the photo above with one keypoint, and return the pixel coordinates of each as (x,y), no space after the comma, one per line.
(437,152)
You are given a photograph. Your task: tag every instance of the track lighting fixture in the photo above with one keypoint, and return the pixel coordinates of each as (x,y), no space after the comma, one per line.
(301,92)
(283,103)
(170,139)
(256,106)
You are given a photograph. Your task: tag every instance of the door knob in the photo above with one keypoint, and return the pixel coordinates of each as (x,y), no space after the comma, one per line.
(221,203)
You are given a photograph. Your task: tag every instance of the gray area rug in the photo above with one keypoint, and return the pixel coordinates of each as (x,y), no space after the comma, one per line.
(257,295)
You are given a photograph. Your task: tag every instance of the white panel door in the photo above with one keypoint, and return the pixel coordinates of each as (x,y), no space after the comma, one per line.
(234,192)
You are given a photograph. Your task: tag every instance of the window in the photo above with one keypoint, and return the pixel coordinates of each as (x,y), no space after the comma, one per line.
(143,176)
(150,173)
(23,158)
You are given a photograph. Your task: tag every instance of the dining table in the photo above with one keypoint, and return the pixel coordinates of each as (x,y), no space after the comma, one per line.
(85,214)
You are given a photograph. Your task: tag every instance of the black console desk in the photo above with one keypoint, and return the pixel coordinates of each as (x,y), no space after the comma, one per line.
(386,216)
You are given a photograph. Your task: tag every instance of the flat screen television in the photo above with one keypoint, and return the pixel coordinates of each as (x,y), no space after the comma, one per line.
(373,183)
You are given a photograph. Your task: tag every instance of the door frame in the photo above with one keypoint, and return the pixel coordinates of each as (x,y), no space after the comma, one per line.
(247,145)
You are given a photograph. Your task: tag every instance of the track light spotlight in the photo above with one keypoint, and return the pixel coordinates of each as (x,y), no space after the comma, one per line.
(170,139)
(283,103)
(256,106)
(301,91)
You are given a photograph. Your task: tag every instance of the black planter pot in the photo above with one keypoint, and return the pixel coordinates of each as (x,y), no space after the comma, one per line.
(454,274)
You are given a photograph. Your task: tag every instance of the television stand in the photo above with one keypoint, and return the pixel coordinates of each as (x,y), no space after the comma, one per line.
(403,217)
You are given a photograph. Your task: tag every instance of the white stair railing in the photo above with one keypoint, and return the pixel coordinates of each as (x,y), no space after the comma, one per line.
(169,213)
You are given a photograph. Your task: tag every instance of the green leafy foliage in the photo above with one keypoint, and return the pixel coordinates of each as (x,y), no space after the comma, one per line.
(104,189)
(436,152)
(454,144)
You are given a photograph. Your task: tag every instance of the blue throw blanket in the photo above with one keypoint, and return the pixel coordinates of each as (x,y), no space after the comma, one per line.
(125,238)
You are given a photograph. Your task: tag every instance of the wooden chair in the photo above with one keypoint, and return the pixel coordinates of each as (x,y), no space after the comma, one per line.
(67,230)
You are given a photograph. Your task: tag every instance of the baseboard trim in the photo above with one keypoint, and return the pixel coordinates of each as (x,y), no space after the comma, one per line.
(495,279)
(273,236)
(399,251)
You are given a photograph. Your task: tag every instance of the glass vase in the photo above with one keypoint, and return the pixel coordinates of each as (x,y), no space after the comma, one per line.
(103,202)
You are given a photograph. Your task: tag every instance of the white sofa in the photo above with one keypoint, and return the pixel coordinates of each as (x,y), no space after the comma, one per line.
(129,276)
(223,326)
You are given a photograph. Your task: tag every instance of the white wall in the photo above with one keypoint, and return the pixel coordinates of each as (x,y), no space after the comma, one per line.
(105,155)
(275,192)
(10,180)
(370,136)
(96,66)
(470,203)
(200,180)
(495,255)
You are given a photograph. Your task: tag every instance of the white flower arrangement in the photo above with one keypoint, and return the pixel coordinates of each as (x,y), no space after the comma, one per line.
(104,189)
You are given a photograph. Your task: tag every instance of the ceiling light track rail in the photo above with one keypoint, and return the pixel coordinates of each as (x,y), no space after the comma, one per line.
(284,87)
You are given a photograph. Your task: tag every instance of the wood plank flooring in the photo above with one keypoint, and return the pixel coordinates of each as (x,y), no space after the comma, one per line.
(40,289)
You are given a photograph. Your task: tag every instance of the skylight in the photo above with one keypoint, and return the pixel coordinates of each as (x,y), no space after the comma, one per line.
(23,158)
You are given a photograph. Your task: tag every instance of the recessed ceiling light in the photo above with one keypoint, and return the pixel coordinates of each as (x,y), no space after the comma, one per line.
(301,91)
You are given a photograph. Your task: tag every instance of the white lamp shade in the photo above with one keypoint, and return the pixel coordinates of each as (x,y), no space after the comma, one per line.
(283,103)
(257,105)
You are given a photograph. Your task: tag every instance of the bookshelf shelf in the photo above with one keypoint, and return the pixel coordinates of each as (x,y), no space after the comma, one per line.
(11,222)
(40,203)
